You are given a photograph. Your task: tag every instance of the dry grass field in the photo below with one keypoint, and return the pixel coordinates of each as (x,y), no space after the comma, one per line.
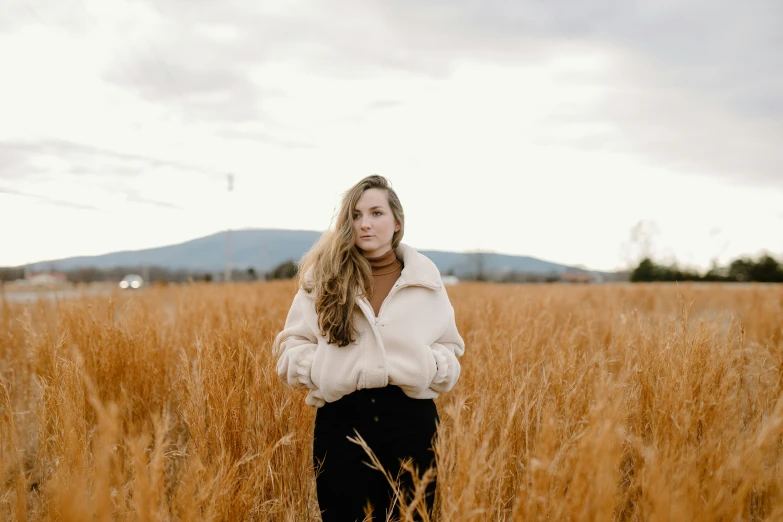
(600,403)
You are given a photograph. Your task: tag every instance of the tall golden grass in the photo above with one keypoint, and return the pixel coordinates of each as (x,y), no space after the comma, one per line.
(616,402)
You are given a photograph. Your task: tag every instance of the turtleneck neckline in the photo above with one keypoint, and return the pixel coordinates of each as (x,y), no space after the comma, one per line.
(385,264)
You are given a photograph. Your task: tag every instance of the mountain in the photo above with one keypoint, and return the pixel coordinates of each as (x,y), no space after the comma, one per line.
(264,249)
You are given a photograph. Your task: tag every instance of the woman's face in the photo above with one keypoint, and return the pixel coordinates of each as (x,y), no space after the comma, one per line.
(373,223)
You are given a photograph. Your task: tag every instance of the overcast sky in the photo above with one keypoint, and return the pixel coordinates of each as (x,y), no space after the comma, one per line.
(543,128)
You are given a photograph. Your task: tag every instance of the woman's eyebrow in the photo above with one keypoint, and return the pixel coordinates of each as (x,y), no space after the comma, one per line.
(371,208)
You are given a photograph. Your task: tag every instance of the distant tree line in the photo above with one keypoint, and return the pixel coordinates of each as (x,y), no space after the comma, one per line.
(11,274)
(765,269)
(154,274)
(285,270)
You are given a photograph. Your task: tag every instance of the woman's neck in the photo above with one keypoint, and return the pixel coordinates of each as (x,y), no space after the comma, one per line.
(385,263)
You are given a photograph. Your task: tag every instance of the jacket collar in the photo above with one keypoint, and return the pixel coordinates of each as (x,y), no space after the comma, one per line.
(417,268)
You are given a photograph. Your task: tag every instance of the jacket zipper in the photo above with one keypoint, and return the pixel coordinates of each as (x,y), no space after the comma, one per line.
(393,291)
(370,313)
(395,288)
(400,286)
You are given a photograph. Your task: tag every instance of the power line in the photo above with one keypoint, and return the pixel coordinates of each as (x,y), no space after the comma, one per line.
(151,50)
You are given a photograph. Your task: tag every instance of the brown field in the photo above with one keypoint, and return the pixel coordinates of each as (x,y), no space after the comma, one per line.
(615,402)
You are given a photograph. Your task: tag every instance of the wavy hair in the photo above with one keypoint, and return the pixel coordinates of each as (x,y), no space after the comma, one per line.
(334,269)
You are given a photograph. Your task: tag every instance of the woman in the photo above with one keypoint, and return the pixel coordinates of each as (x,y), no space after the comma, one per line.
(371,334)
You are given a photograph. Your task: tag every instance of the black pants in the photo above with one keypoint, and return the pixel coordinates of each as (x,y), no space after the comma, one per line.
(395,427)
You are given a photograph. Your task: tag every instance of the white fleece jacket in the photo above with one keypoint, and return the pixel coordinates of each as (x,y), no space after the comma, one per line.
(413,343)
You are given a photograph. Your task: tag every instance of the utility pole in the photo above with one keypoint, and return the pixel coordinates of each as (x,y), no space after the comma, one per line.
(262,262)
(227,274)
(145,267)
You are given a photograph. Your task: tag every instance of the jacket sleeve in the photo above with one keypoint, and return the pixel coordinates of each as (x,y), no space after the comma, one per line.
(446,350)
(295,347)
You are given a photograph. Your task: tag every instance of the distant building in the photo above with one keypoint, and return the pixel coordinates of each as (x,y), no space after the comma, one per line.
(46,278)
(580,277)
(450,280)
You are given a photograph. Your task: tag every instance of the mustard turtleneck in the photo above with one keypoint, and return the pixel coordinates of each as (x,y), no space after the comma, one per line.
(386,269)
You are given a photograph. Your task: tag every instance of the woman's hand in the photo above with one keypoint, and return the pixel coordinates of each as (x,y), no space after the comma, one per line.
(442,365)
(303,371)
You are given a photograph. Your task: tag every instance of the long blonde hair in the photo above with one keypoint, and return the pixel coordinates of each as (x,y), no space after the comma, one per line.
(338,270)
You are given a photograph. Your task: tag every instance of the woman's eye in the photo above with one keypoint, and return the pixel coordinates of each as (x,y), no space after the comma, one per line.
(377,212)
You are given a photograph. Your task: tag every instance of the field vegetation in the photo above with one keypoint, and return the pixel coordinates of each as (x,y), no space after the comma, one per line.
(657,402)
